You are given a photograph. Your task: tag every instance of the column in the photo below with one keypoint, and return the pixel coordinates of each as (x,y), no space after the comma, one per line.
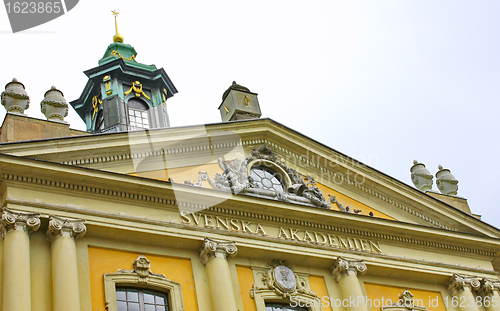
(461,286)
(489,291)
(214,254)
(16,227)
(345,271)
(63,233)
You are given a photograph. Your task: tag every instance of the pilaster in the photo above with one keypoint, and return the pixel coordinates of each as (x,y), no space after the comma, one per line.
(214,254)
(345,272)
(16,227)
(63,233)
(489,291)
(461,287)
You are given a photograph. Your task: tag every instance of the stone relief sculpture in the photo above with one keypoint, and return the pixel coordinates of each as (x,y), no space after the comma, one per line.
(405,303)
(282,280)
(297,188)
(142,268)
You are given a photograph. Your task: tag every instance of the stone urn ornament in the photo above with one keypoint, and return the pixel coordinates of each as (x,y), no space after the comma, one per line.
(420,176)
(54,106)
(446,182)
(14,98)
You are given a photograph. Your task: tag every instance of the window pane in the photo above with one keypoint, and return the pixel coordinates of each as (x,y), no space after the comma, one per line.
(132,296)
(121,306)
(149,298)
(121,295)
(133,306)
(131,299)
(160,300)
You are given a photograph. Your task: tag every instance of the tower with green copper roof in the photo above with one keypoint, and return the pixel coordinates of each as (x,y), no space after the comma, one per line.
(123,94)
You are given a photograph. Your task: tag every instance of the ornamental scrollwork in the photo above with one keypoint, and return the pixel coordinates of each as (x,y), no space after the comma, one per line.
(14,220)
(458,282)
(59,226)
(300,189)
(137,88)
(488,286)
(217,248)
(346,266)
(282,280)
(405,303)
(142,269)
(117,54)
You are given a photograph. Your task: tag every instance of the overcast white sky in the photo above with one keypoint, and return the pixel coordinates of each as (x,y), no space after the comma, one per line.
(385,82)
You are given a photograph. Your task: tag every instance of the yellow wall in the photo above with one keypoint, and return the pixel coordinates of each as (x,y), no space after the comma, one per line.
(181,174)
(319,287)
(347,201)
(104,261)
(375,291)
(246,281)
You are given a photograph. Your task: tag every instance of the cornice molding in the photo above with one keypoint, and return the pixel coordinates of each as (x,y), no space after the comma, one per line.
(355,232)
(255,142)
(353,184)
(204,231)
(194,206)
(88,189)
(277,219)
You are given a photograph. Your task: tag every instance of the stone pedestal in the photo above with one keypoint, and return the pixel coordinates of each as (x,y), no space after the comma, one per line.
(214,254)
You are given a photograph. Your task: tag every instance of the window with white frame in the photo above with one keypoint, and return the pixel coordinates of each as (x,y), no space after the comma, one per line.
(137,299)
(141,290)
(283,307)
(266,178)
(138,117)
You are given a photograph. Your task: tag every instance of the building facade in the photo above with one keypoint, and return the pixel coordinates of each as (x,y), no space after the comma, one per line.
(246,214)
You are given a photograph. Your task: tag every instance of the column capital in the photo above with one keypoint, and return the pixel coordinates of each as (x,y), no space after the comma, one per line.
(346,266)
(16,220)
(59,226)
(217,248)
(459,282)
(489,286)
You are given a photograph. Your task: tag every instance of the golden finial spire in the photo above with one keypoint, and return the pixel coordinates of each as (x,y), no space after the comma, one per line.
(117,37)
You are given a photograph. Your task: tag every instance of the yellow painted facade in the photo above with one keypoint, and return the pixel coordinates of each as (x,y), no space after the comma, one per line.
(431,300)
(247,215)
(177,269)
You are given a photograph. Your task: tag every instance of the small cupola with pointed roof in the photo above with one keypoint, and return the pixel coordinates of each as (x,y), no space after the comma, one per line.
(238,103)
(123,94)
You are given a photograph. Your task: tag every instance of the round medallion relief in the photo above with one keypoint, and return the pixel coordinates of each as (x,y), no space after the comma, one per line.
(285,279)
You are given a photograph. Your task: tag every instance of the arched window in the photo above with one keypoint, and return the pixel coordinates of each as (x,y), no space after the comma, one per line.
(137,114)
(266,178)
(99,122)
(141,290)
(283,307)
(136,299)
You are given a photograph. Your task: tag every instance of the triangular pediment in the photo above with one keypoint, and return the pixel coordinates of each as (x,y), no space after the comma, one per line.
(221,157)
